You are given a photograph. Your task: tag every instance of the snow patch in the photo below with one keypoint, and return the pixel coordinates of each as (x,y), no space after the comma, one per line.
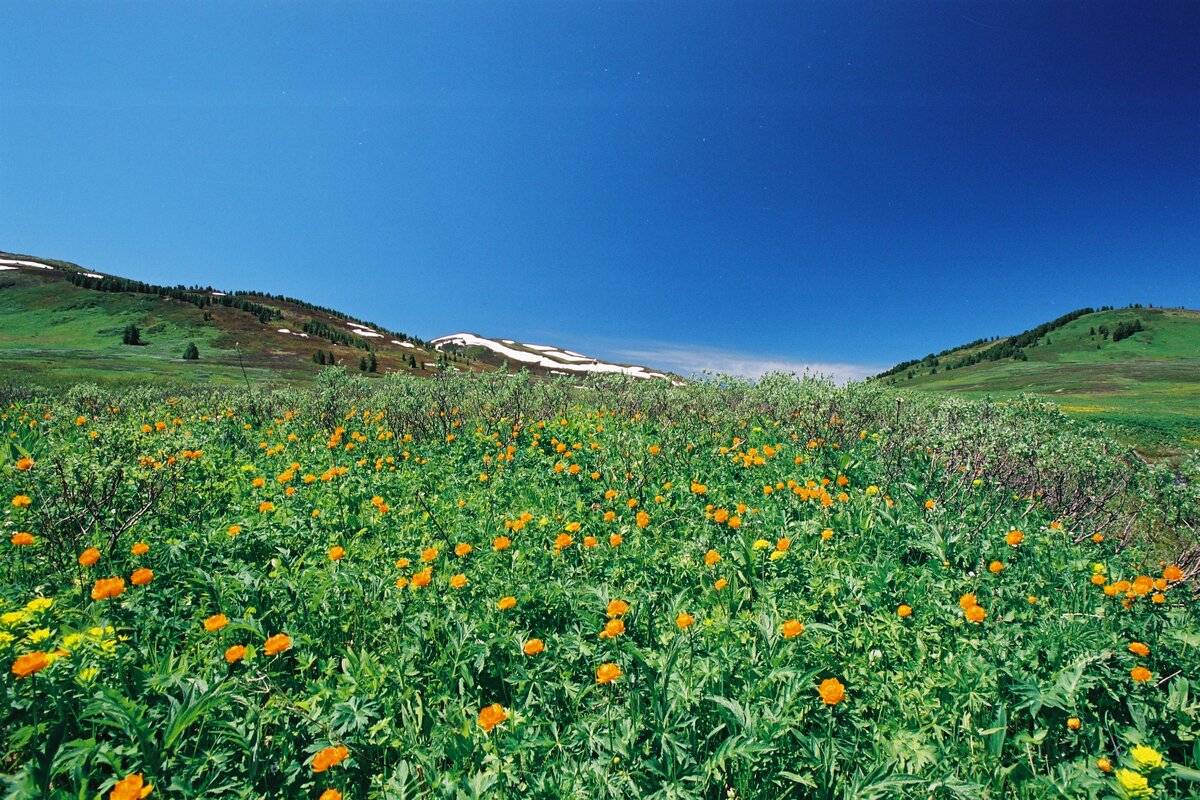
(541,347)
(366,333)
(218,294)
(2,267)
(541,359)
(93,274)
(19,263)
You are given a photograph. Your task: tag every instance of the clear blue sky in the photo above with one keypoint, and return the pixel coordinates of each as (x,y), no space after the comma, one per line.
(736,185)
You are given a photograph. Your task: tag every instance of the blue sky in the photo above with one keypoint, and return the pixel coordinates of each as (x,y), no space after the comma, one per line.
(741,186)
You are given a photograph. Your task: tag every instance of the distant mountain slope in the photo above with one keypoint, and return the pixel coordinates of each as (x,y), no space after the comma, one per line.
(552,359)
(61,323)
(1094,364)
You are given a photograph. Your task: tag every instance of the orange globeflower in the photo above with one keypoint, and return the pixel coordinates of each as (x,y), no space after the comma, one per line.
(329,757)
(612,629)
(1074,723)
(1014,537)
(423,577)
(429,554)
(30,663)
(720,584)
(491,716)
(967,600)
(643,519)
(216,622)
(330,794)
(234,530)
(132,787)
(617,608)
(89,557)
(108,588)
(235,653)
(534,646)
(684,620)
(1140,674)
(607,673)
(832,691)
(904,611)
(615,540)
(140,549)
(930,504)
(711,557)
(21,539)
(458,581)
(590,541)
(995,566)
(21,501)
(266,506)
(501,543)
(1139,648)
(506,603)
(792,628)
(337,553)
(462,548)
(563,540)
(24,463)
(141,577)
(975,614)
(1173,573)
(277,644)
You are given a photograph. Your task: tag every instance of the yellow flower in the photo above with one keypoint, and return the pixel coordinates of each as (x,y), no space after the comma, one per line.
(1146,757)
(1133,784)
(38,604)
(761,544)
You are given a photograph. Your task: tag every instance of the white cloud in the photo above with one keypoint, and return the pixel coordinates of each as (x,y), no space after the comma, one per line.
(688,360)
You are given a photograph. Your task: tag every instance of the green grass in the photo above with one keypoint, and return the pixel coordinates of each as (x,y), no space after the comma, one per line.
(1146,386)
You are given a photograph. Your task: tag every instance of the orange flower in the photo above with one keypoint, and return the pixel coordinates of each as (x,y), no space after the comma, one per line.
(330,794)
(1103,764)
(975,614)
(24,463)
(1073,723)
(684,620)
(235,653)
(337,553)
(612,629)
(140,549)
(258,483)
(615,540)
(277,644)
(534,646)
(21,501)
(266,506)
(141,577)
(1173,573)
(89,557)
(429,554)
(491,716)
(995,566)
(904,611)
(130,788)
(967,600)
(617,608)
(462,548)
(826,534)
(781,545)
(1099,580)
(607,673)
(501,543)
(1014,537)
(458,581)
(720,584)
(563,540)
(401,563)
(423,577)
(590,541)
(30,663)
(329,757)
(108,588)
(234,530)
(1140,674)
(643,519)
(711,558)
(698,488)
(720,515)
(1139,648)
(506,603)
(21,539)
(832,691)
(792,628)
(216,622)
(930,505)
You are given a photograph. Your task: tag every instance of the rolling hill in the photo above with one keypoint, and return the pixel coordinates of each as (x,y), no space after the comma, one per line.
(1096,364)
(61,323)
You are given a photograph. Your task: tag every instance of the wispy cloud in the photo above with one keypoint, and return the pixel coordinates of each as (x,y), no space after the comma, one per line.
(689,360)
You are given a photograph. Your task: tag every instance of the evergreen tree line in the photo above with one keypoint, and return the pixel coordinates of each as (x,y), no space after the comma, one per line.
(199,299)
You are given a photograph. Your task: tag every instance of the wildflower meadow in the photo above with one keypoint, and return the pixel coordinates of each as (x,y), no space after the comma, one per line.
(490,586)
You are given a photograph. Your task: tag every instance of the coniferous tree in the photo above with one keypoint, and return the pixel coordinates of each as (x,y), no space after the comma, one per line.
(191,352)
(372,364)
(131,335)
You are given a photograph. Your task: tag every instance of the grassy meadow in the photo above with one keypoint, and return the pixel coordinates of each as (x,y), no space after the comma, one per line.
(486,586)
(1146,387)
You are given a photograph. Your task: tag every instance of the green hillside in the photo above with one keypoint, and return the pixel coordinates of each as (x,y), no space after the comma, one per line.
(1147,384)
(63,325)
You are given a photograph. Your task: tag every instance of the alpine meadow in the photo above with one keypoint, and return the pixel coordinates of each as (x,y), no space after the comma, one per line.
(537,400)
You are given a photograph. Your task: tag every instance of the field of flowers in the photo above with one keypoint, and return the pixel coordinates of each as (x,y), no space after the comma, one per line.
(488,587)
